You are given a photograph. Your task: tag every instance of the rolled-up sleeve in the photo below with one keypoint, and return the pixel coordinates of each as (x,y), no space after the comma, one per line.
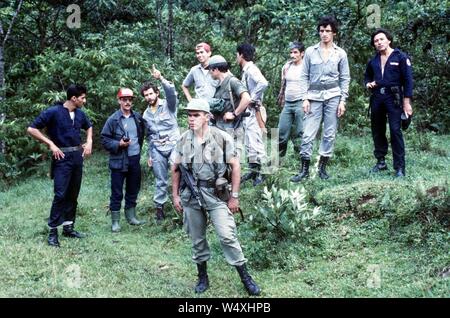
(189,80)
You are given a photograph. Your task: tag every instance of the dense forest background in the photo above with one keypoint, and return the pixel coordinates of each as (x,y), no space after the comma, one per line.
(46,45)
(354,235)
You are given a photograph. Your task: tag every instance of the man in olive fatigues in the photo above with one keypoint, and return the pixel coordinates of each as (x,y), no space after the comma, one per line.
(202,154)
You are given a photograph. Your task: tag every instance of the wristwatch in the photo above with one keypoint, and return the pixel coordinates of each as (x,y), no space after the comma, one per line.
(235,195)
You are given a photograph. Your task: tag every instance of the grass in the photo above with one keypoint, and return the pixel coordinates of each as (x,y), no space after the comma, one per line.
(347,257)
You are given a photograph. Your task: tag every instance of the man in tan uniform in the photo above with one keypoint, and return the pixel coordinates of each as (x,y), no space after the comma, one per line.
(202,154)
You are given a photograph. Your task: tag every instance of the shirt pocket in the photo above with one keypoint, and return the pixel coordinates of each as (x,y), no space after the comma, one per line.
(165,119)
(333,66)
(316,67)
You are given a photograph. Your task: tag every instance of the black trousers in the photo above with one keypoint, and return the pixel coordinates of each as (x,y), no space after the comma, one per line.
(132,180)
(383,109)
(67,174)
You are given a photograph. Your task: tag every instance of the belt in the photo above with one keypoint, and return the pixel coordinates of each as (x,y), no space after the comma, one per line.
(70,149)
(164,141)
(206,183)
(320,86)
(386,89)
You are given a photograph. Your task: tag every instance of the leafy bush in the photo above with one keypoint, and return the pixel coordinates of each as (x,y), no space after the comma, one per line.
(19,155)
(424,202)
(284,213)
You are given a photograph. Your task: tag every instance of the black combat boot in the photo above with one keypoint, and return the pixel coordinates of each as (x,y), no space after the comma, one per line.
(381,165)
(203,281)
(249,175)
(258,178)
(53,237)
(282,148)
(322,165)
(247,280)
(304,171)
(160,213)
(68,231)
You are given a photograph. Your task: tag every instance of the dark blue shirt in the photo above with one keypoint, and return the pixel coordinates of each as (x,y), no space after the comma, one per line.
(397,72)
(60,128)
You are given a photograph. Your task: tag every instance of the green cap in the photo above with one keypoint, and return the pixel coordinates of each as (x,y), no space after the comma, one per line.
(198,104)
(216,60)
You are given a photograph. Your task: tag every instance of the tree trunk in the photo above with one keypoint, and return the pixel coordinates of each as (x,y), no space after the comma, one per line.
(2,68)
(3,39)
(169,49)
(159,20)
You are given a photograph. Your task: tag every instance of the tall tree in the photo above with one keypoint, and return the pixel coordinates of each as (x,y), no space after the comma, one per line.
(3,39)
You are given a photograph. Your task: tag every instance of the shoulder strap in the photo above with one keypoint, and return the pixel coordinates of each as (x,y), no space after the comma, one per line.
(220,141)
(286,68)
(230,92)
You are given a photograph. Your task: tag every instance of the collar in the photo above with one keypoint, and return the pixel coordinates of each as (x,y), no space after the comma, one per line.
(123,116)
(159,104)
(395,50)
(247,66)
(227,76)
(206,138)
(318,45)
(118,114)
(201,67)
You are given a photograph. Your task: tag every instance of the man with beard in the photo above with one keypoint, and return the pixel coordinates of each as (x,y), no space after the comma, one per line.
(163,134)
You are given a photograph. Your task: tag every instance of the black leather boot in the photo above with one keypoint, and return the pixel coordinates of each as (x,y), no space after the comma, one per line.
(381,165)
(258,178)
(247,280)
(304,171)
(282,148)
(203,281)
(249,175)
(160,213)
(68,231)
(53,238)
(322,165)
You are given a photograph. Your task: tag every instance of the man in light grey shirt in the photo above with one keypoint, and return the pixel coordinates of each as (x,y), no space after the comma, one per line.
(204,84)
(324,83)
(256,84)
(163,134)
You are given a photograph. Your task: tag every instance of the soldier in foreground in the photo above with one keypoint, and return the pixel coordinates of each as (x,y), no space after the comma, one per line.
(202,156)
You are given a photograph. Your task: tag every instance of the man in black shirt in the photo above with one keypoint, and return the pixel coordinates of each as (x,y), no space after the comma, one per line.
(64,122)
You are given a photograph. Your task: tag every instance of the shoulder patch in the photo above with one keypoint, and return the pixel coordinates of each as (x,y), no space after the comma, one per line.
(408,62)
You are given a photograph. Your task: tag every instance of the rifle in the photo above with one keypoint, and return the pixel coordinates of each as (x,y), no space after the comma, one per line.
(189,181)
(237,121)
